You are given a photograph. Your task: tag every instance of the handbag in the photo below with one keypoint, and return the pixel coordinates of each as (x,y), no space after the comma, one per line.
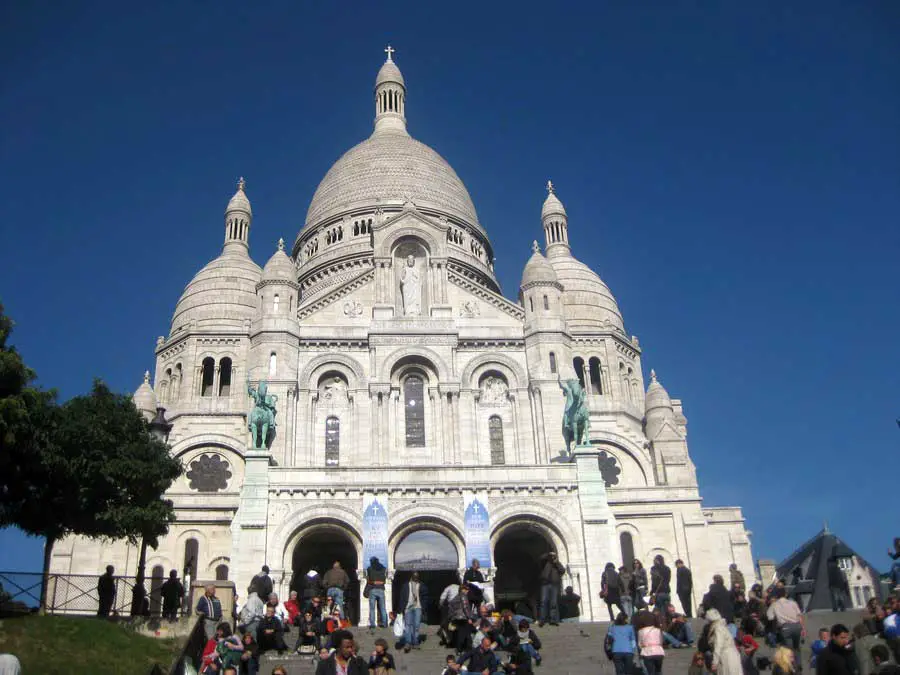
(366,590)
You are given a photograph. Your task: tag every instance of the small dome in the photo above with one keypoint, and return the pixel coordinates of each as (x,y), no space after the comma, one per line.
(239,201)
(552,205)
(657,396)
(538,269)
(144,398)
(222,295)
(588,304)
(279,267)
(389,73)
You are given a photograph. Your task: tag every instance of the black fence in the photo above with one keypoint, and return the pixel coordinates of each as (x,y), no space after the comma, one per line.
(72,594)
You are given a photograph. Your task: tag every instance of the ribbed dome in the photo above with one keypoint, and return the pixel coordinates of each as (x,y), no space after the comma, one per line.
(390,168)
(144,398)
(587,301)
(538,269)
(657,396)
(389,73)
(221,295)
(239,201)
(279,267)
(552,206)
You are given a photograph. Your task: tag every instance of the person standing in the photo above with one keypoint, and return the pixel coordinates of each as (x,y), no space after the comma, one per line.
(837,586)
(650,642)
(336,582)
(836,659)
(209,607)
(261,583)
(720,599)
(627,580)
(106,592)
(474,573)
(611,589)
(789,619)
(726,658)
(551,579)
(661,589)
(376,575)
(684,586)
(622,644)
(412,599)
(343,661)
(639,584)
(171,592)
(737,577)
(569,604)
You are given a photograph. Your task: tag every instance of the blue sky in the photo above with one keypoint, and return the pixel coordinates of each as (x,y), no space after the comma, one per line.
(731,170)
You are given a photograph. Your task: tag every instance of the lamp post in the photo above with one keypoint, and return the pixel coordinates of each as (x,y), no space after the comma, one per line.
(159,430)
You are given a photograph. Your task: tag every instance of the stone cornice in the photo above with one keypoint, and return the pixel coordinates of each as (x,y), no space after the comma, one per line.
(338,293)
(488,296)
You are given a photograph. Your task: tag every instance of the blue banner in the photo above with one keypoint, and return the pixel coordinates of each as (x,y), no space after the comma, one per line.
(375,530)
(477,524)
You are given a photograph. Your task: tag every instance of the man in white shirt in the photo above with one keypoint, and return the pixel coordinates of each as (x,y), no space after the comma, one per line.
(791,624)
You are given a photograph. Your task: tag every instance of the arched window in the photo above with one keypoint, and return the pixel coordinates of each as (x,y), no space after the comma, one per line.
(191,553)
(531,303)
(495,433)
(578,364)
(165,395)
(222,572)
(163,391)
(332,441)
(546,303)
(627,545)
(275,304)
(225,377)
(176,383)
(552,363)
(594,368)
(207,378)
(414,403)
(273,364)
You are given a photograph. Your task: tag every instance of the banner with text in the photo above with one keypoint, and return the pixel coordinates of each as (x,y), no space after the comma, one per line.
(477,523)
(375,529)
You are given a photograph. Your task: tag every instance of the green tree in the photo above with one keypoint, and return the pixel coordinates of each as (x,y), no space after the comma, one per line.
(87,467)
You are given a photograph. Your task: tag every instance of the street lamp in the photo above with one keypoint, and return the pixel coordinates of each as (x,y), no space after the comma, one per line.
(159,430)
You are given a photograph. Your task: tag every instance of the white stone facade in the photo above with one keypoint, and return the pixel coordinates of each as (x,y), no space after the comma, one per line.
(344,343)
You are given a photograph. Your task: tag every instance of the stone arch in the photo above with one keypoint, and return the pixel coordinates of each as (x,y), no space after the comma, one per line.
(668,558)
(637,546)
(621,446)
(166,563)
(320,364)
(287,535)
(427,520)
(545,527)
(432,245)
(202,549)
(215,562)
(552,521)
(219,441)
(422,354)
(514,372)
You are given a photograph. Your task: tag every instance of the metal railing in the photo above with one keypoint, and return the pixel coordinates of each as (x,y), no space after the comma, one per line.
(73,594)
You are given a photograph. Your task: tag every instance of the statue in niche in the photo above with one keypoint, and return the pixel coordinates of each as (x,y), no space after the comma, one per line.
(334,390)
(411,288)
(494,391)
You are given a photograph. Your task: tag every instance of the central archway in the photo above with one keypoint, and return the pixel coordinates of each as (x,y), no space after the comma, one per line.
(435,557)
(517,552)
(319,546)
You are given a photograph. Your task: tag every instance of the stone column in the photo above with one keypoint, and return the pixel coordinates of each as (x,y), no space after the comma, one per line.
(598,526)
(363,602)
(517,445)
(248,528)
(544,451)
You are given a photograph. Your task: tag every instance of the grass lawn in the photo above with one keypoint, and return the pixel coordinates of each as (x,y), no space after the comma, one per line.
(57,645)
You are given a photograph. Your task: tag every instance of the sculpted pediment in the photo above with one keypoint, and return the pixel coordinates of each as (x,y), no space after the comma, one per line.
(410,223)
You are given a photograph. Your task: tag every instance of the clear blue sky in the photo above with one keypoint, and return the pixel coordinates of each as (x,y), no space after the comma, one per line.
(731,170)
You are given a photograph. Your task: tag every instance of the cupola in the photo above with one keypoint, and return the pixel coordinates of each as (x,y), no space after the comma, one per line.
(390,97)
(238,216)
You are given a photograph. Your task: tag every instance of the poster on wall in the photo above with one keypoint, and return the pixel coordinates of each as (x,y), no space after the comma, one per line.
(477,525)
(375,529)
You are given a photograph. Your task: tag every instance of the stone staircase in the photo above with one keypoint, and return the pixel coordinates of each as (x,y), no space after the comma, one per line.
(568,649)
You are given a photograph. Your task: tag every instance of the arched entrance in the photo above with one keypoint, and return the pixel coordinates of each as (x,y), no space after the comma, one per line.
(435,557)
(319,547)
(517,553)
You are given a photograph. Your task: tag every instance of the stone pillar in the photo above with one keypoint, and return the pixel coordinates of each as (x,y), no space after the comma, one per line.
(598,526)
(248,529)
(363,602)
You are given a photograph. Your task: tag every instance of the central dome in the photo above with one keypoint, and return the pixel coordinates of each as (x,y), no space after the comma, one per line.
(386,169)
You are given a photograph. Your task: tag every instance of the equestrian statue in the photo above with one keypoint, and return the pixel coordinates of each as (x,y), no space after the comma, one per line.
(261,420)
(576,418)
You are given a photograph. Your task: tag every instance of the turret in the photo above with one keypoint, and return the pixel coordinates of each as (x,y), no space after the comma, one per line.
(145,399)
(556,224)
(540,294)
(238,216)
(278,290)
(658,407)
(390,97)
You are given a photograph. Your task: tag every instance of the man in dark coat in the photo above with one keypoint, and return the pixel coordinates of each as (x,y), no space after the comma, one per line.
(172,592)
(261,583)
(551,576)
(836,659)
(661,587)
(106,592)
(684,586)
(719,598)
(343,657)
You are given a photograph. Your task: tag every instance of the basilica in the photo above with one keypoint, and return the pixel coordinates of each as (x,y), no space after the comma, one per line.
(417,411)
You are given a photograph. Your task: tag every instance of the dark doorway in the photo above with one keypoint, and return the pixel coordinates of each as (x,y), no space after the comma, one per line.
(434,557)
(517,554)
(318,551)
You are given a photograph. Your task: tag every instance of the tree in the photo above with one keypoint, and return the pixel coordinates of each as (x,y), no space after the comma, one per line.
(87,467)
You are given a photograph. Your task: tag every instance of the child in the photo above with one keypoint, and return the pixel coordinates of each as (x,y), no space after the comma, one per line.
(818,646)
(698,664)
(381,662)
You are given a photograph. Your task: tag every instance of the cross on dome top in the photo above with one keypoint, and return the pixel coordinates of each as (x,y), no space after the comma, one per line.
(535,246)
(280,243)
(241,183)
(550,186)
(389,51)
